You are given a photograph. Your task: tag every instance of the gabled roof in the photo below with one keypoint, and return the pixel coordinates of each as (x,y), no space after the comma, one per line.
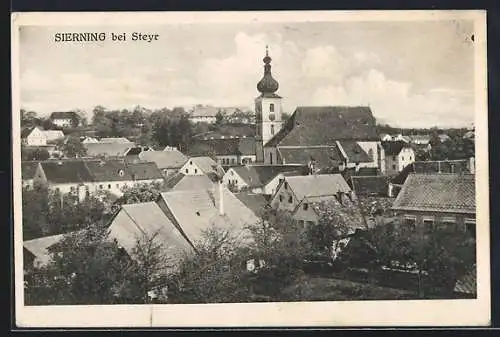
(39,247)
(443,166)
(107,149)
(317,185)
(181,182)
(63,115)
(226,146)
(164,159)
(206,164)
(144,171)
(108,170)
(354,152)
(394,148)
(370,185)
(259,175)
(60,172)
(255,202)
(198,210)
(146,219)
(438,192)
(28,169)
(27,131)
(322,156)
(325,125)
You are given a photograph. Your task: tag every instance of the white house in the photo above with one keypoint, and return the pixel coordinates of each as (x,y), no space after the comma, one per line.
(201,166)
(36,136)
(65,119)
(398,155)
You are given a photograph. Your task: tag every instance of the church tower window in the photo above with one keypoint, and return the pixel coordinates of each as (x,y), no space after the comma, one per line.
(271,107)
(272,129)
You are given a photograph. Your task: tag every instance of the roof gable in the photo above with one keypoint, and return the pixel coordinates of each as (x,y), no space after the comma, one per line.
(438,192)
(317,185)
(324,125)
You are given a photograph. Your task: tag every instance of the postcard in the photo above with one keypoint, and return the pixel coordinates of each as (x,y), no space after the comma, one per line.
(250,169)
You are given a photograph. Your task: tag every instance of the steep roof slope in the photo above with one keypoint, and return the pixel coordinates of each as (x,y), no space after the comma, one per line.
(317,185)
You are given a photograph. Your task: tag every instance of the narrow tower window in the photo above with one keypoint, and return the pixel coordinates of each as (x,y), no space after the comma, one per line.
(272,129)
(271,107)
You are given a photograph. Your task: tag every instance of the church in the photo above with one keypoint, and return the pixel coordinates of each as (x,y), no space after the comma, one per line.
(331,138)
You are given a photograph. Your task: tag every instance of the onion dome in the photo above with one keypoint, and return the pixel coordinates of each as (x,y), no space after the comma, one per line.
(267,85)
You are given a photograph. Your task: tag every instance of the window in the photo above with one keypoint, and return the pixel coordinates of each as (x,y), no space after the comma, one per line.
(234,161)
(290,199)
(447,221)
(394,158)
(109,186)
(100,187)
(428,224)
(281,198)
(393,166)
(370,154)
(470,227)
(305,206)
(272,129)
(271,107)
(191,162)
(286,185)
(72,189)
(411,222)
(270,158)
(187,171)
(402,158)
(117,185)
(195,170)
(301,223)
(410,158)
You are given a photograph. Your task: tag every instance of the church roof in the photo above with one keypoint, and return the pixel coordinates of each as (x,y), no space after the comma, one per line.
(323,125)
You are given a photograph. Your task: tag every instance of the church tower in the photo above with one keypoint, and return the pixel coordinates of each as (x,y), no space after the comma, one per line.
(267,109)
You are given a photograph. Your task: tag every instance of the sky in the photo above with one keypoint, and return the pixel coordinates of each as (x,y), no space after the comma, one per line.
(411,74)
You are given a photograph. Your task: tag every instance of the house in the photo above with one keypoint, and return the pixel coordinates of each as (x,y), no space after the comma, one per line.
(115,140)
(228,150)
(370,185)
(28,170)
(202,165)
(65,119)
(398,155)
(146,221)
(36,136)
(444,137)
(194,212)
(169,162)
(385,137)
(108,149)
(293,189)
(420,139)
(400,138)
(86,177)
(327,137)
(374,198)
(205,114)
(36,251)
(182,182)
(427,201)
(260,179)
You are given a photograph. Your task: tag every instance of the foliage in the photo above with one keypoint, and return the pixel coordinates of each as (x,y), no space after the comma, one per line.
(29,154)
(454,148)
(219,117)
(140,193)
(71,147)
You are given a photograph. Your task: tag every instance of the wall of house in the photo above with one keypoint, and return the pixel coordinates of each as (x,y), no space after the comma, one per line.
(36,138)
(247,159)
(228,160)
(61,122)
(190,168)
(284,199)
(371,148)
(395,164)
(421,218)
(206,119)
(305,216)
(271,152)
(272,185)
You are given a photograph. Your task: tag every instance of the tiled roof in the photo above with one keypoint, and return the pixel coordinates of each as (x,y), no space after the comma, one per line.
(107,149)
(60,172)
(226,146)
(181,182)
(108,170)
(63,115)
(354,152)
(259,175)
(444,166)
(146,219)
(198,210)
(164,159)
(467,284)
(393,148)
(322,156)
(28,169)
(317,185)
(39,247)
(144,171)
(324,125)
(370,185)
(255,202)
(206,164)
(52,135)
(247,146)
(438,192)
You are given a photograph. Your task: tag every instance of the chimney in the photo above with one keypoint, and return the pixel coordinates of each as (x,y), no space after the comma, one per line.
(221,198)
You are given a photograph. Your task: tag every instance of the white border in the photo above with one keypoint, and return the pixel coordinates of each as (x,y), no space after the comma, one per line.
(354,313)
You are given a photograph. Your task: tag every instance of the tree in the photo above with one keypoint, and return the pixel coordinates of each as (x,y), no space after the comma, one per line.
(35,204)
(34,154)
(219,117)
(140,193)
(71,147)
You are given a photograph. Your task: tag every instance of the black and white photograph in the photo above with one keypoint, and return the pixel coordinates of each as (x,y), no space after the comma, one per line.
(250,169)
